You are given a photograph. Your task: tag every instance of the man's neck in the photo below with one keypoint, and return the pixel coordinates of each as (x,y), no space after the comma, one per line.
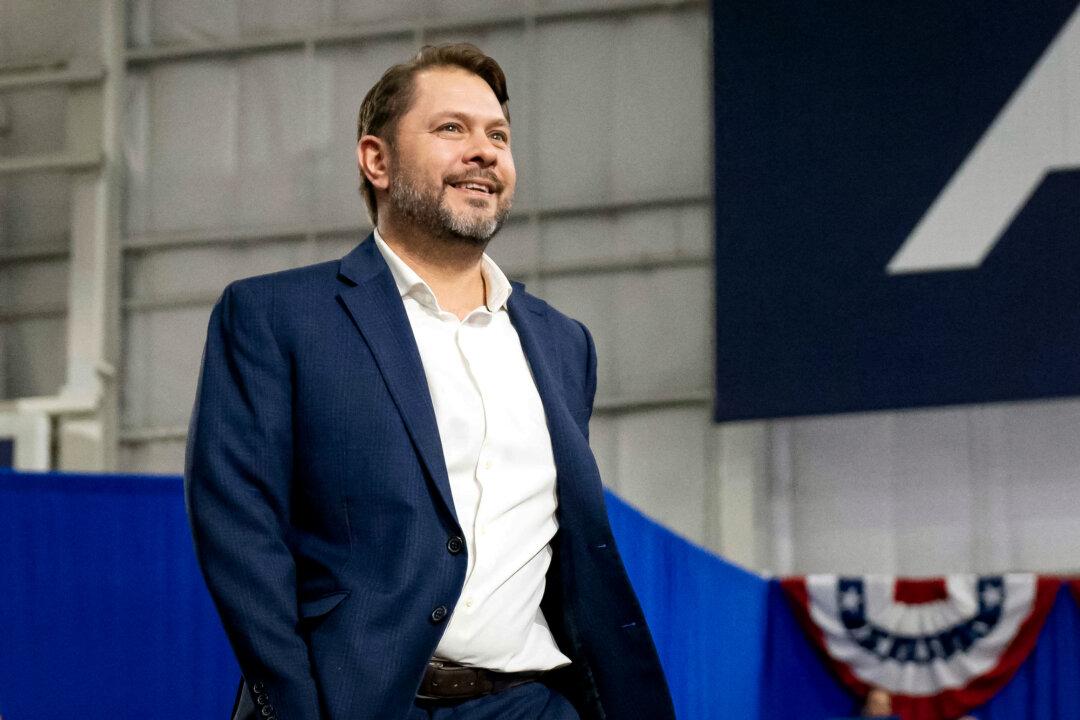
(450,267)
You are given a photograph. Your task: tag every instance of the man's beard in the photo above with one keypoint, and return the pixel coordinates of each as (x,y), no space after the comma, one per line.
(428,212)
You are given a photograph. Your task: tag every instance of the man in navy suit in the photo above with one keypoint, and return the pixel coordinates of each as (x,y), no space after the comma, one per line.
(388,475)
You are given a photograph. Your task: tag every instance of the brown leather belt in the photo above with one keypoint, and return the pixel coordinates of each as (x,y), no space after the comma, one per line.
(445,680)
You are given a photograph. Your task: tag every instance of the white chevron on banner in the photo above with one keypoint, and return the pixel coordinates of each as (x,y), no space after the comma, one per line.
(1037,132)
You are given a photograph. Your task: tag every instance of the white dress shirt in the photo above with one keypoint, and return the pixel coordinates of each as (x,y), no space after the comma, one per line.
(502,473)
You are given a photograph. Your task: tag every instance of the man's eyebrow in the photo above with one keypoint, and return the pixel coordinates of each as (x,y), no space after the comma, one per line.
(467,118)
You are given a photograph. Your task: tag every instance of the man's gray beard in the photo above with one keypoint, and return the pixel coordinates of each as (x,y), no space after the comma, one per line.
(428,212)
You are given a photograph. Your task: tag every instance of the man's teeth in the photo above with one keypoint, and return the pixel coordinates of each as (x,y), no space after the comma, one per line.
(472,186)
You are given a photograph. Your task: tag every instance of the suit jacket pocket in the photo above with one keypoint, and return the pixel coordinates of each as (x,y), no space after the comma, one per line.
(320,606)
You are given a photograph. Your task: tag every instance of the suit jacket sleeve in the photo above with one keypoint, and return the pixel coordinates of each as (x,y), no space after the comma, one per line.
(237,486)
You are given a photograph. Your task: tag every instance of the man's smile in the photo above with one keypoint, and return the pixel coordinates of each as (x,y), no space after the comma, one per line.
(473,189)
(476,186)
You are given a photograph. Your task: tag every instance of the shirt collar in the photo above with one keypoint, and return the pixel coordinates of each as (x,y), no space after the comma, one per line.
(410,284)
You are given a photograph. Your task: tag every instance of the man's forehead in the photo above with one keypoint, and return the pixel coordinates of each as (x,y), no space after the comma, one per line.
(451,89)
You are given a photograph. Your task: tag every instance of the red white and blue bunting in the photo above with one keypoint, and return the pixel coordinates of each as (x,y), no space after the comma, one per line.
(940,646)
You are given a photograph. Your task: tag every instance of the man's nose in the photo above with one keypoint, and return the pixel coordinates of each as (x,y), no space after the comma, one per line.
(481,151)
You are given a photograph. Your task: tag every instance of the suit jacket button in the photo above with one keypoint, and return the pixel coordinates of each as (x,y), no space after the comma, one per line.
(261,699)
(258,687)
(455,545)
(439,614)
(267,710)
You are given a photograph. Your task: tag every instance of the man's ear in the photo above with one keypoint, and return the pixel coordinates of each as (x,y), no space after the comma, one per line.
(372,155)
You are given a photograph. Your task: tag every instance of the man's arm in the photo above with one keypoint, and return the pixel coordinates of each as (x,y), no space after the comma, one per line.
(237,486)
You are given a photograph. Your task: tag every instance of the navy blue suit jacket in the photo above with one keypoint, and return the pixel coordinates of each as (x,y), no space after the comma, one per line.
(321,509)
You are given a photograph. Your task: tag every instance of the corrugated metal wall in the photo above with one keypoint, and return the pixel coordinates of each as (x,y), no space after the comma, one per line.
(242,162)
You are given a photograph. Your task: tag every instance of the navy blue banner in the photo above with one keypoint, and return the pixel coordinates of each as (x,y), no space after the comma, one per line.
(897,204)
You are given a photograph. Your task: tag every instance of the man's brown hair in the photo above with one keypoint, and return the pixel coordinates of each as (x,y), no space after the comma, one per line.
(391,96)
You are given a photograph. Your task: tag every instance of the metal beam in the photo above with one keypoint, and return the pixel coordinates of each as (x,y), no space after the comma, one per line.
(619,206)
(150,242)
(298,41)
(640,263)
(94,120)
(603,407)
(643,263)
(45,78)
(33,311)
(143,435)
(169,240)
(334,36)
(175,301)
(49,162)
(625,405)
(31,253)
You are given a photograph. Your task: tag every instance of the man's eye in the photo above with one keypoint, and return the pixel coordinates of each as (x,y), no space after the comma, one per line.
(499,136)
(452,127)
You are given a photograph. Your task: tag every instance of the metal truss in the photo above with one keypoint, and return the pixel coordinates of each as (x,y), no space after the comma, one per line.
(316,38)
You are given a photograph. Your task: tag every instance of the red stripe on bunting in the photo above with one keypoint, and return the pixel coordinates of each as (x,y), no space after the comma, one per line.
(1074,585)
(948,704)
(918,592)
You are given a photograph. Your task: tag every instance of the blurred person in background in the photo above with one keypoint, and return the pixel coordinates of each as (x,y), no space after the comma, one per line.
(878,704)
(388,477)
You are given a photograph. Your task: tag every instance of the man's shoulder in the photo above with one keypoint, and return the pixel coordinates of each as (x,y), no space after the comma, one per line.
(558,322)
(316,281)
(278,300)
(293,280)
(571,346)
(542,307)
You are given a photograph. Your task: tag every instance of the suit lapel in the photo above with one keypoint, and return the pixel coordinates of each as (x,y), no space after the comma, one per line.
(375,306)
(529,316)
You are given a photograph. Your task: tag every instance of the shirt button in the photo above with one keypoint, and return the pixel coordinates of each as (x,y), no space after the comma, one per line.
(487,464)
(468,603)
(439,614)
(455,545)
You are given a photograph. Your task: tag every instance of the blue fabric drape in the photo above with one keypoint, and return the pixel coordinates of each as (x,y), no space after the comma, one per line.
(707,617)
(1047,686)
(795,683)
(103,612)
(732,647)
(103,608)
